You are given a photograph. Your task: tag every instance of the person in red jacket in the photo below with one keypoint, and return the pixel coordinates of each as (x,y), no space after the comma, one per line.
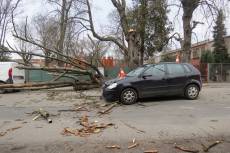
(10,74)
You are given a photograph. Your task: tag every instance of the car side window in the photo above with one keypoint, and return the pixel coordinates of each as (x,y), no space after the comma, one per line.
(157,70)
(175,70)
(187,69)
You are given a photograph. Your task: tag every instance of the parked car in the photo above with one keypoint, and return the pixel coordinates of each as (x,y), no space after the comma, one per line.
(155,80)
(10,74)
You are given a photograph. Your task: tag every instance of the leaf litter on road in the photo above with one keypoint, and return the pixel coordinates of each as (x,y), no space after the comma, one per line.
(88,128)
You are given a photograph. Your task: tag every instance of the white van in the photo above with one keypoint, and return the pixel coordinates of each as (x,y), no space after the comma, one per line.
(8,69)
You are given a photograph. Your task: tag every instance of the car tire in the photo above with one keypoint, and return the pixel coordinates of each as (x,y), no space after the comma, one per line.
(192,91)
(128,96)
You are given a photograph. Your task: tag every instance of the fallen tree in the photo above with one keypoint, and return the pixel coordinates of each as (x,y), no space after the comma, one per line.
(49,85)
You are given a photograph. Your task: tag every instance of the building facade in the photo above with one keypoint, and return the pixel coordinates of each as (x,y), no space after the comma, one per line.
(196,51)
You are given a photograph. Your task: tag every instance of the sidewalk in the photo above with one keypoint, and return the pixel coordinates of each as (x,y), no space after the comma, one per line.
(217,85)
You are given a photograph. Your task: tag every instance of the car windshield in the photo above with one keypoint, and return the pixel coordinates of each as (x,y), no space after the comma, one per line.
(137,71)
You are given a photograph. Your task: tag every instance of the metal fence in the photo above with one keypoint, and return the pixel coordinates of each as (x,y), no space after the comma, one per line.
(43,76)
(219,72)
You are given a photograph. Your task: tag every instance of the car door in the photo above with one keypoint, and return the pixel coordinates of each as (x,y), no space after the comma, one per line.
(153,81)
(176,78)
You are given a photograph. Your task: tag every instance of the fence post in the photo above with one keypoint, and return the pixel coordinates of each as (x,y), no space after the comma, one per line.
(208,72)
(221,69)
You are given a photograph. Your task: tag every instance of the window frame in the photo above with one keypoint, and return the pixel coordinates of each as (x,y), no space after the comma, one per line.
(165,73)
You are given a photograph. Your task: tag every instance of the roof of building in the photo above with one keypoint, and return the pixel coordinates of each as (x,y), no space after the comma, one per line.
(193,45)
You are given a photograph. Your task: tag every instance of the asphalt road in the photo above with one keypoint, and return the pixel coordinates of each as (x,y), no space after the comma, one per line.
(155,123)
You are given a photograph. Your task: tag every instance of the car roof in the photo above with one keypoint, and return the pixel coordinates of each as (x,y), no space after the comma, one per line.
(171,63)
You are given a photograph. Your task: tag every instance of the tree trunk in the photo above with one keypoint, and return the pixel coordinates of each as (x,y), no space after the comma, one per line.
(63,24)
(186,54)
(189,7)
(142,26)
(133,50)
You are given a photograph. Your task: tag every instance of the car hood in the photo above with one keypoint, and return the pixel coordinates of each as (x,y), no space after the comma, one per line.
(118,80)
(112,81)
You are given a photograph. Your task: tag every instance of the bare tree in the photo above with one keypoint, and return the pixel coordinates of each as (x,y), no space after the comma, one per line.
(46,29)
(208,8)
(7,7)
(68,11)
(23,46)
(96,49)
(131,36)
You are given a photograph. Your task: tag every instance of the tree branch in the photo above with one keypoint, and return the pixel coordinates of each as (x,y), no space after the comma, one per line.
(107,38)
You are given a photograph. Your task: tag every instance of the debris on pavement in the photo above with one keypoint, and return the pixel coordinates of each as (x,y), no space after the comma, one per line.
(108,109)
(185,149)
(36,117)
(134,140)
(132,127)
(42,113)
(15,128)
(113,147)
(9,130)
(87,128)
(2,134)
(133,145)
(206,149)
(80,108)
(151,151)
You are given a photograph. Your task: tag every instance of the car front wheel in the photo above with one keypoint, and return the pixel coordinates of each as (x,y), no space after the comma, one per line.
(128,96)
(192,91)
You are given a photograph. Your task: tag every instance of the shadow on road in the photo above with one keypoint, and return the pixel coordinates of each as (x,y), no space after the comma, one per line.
(161,99)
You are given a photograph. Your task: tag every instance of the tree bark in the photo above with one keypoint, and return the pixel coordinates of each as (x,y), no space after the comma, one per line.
(189,7)
(63,24)
(186,54)
(133,50)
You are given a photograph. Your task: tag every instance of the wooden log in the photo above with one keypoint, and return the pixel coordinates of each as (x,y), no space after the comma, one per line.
(85,87)
(78,88)
(58,77)
(13,86)
(41,87)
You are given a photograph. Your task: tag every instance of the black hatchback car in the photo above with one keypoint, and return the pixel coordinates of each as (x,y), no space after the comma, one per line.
(163,79)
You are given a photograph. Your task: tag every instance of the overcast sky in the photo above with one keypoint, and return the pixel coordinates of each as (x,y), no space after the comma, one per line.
(101,10)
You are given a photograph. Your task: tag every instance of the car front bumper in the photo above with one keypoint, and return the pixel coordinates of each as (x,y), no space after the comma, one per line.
(110,95)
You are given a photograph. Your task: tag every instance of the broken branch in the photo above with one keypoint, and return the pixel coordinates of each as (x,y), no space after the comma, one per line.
(185,149)
(108,109)
(206,149)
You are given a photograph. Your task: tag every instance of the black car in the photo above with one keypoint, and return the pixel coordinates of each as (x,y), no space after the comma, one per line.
(155,80)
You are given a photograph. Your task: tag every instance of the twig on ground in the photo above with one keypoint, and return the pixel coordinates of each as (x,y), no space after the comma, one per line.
(108,109)
(132,127)
(151,151)
(133,146)
(206,149)
(2,134)
(15,128)
(113,147)
(185,149)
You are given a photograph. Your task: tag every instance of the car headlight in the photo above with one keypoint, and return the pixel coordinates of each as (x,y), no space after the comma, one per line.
(113,85)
